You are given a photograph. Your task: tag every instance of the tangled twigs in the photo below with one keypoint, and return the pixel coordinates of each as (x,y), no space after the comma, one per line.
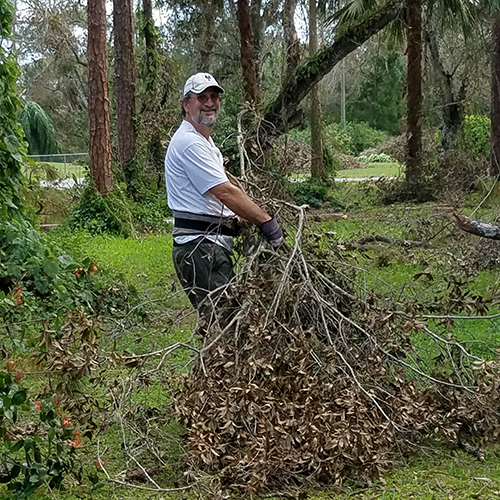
(304,383)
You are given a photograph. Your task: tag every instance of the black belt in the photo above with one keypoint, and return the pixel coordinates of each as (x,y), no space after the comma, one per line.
(207,227)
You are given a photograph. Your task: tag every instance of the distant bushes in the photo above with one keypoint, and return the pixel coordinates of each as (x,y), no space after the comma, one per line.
(352,139)
(474,136)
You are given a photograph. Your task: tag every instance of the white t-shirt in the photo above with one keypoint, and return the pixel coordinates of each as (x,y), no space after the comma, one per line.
(193,166)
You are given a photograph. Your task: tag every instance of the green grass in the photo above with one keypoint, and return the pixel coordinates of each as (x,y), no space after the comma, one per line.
(145,264)
(371,170)
(55,170)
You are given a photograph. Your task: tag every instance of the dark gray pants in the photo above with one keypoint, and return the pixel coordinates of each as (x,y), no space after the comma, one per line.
(202,266)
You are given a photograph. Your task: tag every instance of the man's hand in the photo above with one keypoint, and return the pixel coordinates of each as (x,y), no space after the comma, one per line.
(272,232)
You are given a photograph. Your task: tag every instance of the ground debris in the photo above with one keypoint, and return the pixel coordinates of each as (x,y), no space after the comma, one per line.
(299,383)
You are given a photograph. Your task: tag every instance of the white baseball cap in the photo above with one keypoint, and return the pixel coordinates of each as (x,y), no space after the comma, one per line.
(200,82)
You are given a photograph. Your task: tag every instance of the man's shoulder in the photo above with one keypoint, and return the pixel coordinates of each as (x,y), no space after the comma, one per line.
(185,136)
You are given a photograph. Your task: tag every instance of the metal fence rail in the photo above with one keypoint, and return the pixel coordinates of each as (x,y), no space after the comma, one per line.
(68,164)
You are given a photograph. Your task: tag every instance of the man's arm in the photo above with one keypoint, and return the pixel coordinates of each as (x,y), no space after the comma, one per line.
(240,203)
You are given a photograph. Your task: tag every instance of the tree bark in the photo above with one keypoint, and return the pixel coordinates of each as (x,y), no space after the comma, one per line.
(290,38)
(317,167)
(99,129)
(414,94)
(495,99)
(208,37)
(476,227)
(125,71)
(248,57)
(284,113)
(149,36)
(453,109)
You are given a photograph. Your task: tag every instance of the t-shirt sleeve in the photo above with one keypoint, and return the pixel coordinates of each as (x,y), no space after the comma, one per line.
(202,169)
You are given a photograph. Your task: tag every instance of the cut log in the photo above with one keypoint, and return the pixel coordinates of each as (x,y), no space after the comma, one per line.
(475,227)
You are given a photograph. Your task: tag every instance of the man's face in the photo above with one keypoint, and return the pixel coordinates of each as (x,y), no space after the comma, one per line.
(203,108)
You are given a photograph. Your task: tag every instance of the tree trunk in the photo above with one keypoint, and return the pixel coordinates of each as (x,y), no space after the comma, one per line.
(248,60)
(414,94)
(284,113)
(99,131)
(452,105)
(495,99)
(123,29)
(149,36)
(208,37)
(317,168)
(291,39)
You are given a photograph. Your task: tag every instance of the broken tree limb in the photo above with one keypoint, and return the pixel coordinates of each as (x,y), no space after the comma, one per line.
(352,245)
(475,227)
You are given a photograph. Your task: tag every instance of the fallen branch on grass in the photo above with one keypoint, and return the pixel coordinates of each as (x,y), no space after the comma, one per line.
(475,227)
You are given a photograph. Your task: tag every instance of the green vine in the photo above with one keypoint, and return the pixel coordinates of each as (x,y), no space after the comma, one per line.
(12,146)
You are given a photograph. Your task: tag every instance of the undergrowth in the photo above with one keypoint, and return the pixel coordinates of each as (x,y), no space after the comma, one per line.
(141,310)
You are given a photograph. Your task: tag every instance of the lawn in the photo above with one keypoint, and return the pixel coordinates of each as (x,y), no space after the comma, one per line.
(55,170)
(134,400)
(371,170)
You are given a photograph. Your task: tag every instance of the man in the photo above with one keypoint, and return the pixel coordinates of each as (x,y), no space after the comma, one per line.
(201,197)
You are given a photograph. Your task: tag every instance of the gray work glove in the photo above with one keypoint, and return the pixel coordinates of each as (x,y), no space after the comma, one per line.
(272,232)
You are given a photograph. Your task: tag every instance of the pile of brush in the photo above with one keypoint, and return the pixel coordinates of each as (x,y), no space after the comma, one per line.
(300,382)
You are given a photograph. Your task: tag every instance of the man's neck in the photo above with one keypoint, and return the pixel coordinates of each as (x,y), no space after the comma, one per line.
(204,130)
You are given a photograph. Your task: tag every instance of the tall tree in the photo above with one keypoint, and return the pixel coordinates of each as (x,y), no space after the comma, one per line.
(317,167)
(99,129)
(495,98)
(291,40)
(283,112)
(452,100)
(125,71)
(248,55)
(414,94)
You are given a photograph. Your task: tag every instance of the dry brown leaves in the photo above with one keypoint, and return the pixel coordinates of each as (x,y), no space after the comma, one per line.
(300,383)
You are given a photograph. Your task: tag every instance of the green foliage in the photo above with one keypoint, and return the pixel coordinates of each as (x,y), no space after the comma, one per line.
(39,270)
(475,136)
(314,192)
(354,138)
(97,214)
(375,158)
(380,102)
(117,214)
(39,130)
(12,147)
(41,456)
(151,212)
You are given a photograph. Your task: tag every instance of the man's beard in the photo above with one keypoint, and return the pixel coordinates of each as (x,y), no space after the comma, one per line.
(208,121)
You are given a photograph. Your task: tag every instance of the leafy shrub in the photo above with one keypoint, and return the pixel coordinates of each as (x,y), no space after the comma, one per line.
(475,136)
(375,158)
(39,443)
(97,214)
(354,138)
(313,192)
(119,215)
(40,282)
(151,213)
